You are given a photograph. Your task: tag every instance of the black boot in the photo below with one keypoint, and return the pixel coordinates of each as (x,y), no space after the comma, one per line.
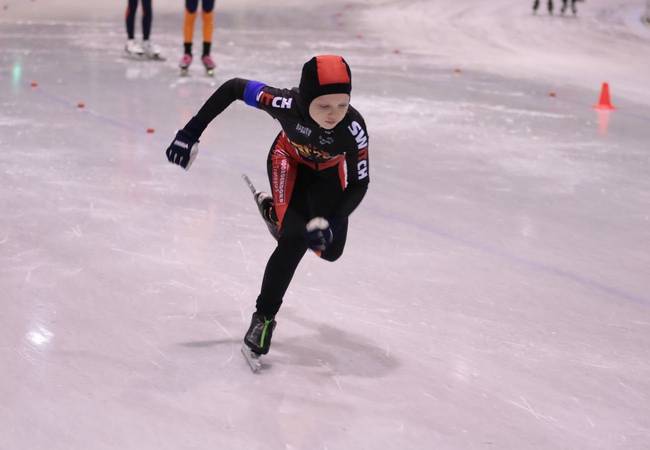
(258,336)
(264,202)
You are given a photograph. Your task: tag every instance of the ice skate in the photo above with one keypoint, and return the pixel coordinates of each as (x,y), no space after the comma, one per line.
(257,340)
(252,358)
(209,65)
(258,336)
(185,63)
(264,202)
(133,49)
(152,51)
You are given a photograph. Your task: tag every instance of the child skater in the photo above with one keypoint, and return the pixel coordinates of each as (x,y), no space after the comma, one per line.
(317,168)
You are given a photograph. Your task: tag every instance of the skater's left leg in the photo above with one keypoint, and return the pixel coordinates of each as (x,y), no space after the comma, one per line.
(324,196)
(147,18)
(335,249)
(282,265)
(208,25)
(208,30)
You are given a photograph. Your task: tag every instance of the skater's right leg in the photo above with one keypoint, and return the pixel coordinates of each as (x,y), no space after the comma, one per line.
(535,5)
(132,47)
(208,30)
(550,7)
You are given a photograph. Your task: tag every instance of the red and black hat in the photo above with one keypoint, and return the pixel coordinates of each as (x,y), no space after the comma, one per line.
(325,74)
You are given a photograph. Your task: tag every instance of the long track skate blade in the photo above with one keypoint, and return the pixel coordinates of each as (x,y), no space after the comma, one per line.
(249,183)
(251,358)
(134,56)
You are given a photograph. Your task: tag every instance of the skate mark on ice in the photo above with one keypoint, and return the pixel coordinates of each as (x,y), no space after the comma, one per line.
(230,340)
(534,265)
(247,260)
(528,408)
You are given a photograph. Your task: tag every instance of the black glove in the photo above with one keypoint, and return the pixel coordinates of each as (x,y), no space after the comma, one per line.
(183,150)
(318,233)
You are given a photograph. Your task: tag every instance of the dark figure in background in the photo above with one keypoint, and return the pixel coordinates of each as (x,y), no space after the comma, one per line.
(536,6)
(574,10)
(134,48)
(207,14)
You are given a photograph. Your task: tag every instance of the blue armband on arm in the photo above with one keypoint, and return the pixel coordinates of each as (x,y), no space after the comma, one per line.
(251,91)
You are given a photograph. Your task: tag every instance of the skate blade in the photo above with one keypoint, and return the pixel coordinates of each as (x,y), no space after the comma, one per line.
(134,56)
(185,72)
(209,72)
(253,359)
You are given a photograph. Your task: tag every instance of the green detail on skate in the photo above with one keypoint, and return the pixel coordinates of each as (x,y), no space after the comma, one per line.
(264,331)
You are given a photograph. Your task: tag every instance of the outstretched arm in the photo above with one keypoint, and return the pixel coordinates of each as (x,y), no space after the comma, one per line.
(184,147)
(227,93)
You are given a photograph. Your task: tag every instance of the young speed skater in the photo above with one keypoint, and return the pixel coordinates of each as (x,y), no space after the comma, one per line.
(207,15)
(134,48)
(317,168)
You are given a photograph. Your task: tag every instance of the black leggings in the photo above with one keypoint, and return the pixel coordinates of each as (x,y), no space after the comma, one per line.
(147,16)
(550,5)
(564,4)
(316,193)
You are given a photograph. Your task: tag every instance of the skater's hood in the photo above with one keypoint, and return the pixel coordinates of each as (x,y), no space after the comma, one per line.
(322,75)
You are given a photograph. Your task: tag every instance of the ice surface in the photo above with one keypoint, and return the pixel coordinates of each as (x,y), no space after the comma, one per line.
(494,289)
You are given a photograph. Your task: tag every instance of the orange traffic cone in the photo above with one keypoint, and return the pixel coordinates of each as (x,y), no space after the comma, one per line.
(604,102)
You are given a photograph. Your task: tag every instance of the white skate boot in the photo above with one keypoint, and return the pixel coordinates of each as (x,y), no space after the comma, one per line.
(133,49)
(152,51)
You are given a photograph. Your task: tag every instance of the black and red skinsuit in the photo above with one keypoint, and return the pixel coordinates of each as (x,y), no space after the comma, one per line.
(313,172)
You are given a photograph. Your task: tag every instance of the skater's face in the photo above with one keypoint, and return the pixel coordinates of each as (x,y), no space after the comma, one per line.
(328,110)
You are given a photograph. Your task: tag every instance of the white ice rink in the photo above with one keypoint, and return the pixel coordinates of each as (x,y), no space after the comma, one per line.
(495,288)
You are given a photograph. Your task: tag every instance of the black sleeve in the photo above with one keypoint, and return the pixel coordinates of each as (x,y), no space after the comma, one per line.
(357,167)
(352,197)
(227,93)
